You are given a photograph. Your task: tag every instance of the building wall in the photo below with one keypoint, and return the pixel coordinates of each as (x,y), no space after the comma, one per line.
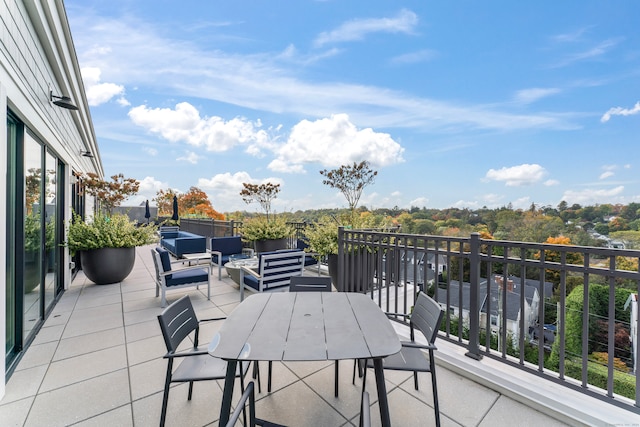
(36,56)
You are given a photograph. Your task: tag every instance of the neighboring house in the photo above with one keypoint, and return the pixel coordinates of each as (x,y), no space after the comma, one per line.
(47,142)
(632,304)
(511,310)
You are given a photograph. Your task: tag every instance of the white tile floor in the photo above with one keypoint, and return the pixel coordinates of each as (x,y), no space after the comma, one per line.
(98,362)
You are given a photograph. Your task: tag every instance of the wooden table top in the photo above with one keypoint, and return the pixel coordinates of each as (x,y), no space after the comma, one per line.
(305,326)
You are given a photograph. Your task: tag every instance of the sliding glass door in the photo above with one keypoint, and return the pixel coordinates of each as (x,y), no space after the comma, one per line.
(34,235)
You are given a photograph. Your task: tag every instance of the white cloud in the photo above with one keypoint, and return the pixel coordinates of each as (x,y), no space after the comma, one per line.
(414,57)
(335,141)
(185,124)
(522,203)
(592,196)
(419,202)
(462,204)
(224,189)
(357,29)
(607,174)
(150,151)
(619,111)
(595,52)
(516,176)
(137,55)
(551,182)
(190,157)
(527,96)
(149,187)
(100,93)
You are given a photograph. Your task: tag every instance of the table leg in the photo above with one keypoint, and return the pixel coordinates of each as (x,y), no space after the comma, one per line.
(382,393)
(227,394)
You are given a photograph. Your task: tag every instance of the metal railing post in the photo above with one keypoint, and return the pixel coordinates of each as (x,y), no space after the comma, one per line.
(474,297)
(340,276)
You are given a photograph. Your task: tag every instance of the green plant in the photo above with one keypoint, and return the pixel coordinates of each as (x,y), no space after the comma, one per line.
(263,229)
(116,231)
(32,233)
(322,238)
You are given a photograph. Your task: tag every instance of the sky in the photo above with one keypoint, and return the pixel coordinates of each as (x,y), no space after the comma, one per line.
(455,103)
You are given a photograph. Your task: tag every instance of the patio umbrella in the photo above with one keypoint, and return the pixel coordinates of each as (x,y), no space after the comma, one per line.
(175,208)
(147,212)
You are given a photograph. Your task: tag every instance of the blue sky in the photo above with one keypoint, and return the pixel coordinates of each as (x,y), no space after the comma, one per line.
(455,104)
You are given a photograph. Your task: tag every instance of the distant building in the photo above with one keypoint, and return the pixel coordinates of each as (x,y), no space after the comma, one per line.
(632,305)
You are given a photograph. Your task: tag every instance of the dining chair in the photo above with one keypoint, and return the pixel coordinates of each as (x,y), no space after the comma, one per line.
(425,317)
(308,284)
(177,322)
(249,395)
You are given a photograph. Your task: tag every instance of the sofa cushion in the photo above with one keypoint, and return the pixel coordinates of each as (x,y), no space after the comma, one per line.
(190,276)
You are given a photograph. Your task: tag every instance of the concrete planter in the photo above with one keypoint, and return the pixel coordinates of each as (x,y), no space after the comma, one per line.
(271,245)
(108,265)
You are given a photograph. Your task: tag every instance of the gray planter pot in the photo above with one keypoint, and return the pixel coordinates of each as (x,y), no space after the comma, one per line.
(271,245)
(108,265)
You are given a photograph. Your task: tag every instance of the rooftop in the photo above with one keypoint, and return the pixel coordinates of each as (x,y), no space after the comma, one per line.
(98,361)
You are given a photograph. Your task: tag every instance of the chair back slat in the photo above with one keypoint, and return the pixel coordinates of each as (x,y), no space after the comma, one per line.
(176,322)
(426,316)
(310,284)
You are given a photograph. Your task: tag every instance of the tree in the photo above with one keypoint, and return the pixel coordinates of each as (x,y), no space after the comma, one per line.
(263,194)
(109,194)
(195,202)
(350,180)
(164,201)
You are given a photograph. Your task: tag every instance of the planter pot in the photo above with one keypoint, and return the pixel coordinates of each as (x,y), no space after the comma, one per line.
(108,265)
(271,245)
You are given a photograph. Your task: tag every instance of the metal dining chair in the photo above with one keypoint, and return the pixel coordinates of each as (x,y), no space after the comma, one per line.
(177,322)
(308,284)
(425,317)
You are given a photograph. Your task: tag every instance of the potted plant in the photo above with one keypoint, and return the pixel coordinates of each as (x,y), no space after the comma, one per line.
(267,233)
(107,245)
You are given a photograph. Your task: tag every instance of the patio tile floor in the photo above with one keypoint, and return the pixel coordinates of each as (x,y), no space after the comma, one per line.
(97,361)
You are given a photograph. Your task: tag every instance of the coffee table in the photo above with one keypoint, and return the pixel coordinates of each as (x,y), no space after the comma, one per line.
(233,267)
(197,257)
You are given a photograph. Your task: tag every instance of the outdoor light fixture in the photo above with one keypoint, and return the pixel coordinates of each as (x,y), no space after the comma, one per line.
(87,154)
(62,101)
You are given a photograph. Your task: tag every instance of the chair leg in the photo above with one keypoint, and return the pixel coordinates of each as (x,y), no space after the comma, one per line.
(415,379)
(269,377)
(190,390)
(434,385)
(336,380)
(256,374)
(165,395)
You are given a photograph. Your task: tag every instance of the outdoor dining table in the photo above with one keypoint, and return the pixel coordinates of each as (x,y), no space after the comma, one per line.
(305,326)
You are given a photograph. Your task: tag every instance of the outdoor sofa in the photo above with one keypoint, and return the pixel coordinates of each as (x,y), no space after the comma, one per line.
(182,242)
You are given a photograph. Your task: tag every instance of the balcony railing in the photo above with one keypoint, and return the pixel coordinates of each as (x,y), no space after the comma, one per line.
(528,305)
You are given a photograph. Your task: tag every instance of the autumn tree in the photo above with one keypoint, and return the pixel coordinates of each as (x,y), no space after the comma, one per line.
(195,202)
(109,194)
(261,193)
(164,202)
(571,257)
(350,180)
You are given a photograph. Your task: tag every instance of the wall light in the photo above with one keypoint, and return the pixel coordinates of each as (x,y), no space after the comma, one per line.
(62,101)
